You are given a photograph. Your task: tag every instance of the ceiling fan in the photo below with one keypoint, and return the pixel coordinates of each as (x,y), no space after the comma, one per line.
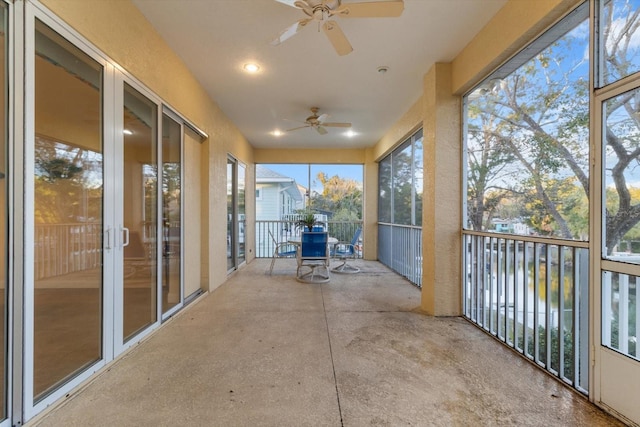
(318,123)
(322,11)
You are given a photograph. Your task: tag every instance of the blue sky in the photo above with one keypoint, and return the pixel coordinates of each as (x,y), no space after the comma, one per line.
(301,172)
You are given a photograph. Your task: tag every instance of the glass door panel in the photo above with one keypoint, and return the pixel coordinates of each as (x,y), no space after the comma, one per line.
(171,213)
(68,211)
(231,239)
(140,205)
(241,213)
(622,192)
(3,205)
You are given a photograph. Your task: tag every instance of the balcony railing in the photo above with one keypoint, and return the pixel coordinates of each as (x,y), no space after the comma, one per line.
(400,248)
(67,248)
(283,230)
(531,294)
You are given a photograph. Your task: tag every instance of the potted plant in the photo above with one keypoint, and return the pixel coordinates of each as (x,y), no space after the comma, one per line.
(307,220)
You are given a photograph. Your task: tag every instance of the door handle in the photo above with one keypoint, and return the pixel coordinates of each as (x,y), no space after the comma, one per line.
(125,233)
(108,239)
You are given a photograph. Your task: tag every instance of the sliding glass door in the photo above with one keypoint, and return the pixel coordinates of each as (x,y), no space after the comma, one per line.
(103,226)
(66,220)
(231,203)
(172,293)
(140,213)
(235,213)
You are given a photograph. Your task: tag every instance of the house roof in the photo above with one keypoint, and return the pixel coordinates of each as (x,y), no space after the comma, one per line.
(265,175)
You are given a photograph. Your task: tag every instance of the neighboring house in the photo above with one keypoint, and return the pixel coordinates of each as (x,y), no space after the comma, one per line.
(276,195)
(512,226)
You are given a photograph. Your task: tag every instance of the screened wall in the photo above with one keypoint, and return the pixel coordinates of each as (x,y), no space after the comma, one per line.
(400,178)
(551,234)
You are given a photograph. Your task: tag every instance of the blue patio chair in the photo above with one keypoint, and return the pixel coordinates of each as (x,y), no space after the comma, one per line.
(281,250)
(313,258)
(344,252)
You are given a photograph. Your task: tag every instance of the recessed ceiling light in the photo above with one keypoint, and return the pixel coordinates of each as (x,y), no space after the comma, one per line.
(251,67)
(350,133)
(127,132)
(277,132)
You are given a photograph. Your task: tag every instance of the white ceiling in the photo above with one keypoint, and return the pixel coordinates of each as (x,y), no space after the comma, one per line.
(215,38)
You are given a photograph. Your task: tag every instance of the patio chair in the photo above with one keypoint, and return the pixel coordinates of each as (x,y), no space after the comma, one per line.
(281,250)
(344,252)
(313,258)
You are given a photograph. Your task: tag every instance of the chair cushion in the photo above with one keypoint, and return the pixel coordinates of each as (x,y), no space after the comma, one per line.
(314,245)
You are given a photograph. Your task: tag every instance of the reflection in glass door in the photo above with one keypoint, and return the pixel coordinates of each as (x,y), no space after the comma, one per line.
(68,212)
(171,213)
(140,209)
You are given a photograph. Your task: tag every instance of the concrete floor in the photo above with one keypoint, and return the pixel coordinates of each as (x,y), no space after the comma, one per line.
(269,351)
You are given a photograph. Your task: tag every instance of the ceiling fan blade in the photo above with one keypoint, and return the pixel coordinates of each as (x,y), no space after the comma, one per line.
(321,130)
(299,127)
(298,4)
(304,5)
(380,9)
(287,2)
(337,125)
(290,32)
(337,38)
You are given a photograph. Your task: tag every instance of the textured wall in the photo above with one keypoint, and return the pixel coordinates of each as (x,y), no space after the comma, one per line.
(441,217)
(346,156)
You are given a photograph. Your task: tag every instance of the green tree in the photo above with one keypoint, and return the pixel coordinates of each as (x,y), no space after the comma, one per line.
(67,183)
(488,162)
(531,128)
(341,196)
(539,117)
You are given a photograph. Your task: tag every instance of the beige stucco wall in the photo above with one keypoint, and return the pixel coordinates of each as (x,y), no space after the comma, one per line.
(119,30)
(441,213)
(313,156)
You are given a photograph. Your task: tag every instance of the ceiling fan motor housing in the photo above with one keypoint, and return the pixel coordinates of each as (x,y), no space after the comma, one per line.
(318,9)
